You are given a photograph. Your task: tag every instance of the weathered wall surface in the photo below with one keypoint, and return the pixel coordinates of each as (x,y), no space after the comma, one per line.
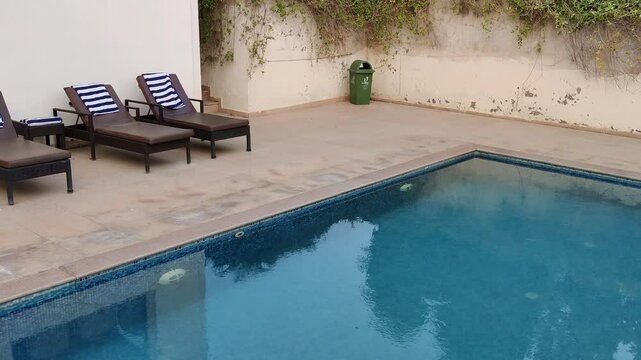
(230,81)
(47,45)
(461,65)
(464,67)
(293,72)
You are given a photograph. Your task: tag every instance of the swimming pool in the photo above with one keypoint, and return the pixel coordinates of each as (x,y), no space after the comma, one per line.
(484,258)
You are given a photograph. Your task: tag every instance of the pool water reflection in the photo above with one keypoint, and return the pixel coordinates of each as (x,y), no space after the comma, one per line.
(480,260)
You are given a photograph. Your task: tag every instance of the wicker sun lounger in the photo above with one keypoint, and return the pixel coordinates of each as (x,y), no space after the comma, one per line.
(22,159)
(122,131)
(207,127)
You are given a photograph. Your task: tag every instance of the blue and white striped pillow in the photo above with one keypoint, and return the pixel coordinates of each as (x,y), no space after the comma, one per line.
(1,122)
(96,98)
(163,91)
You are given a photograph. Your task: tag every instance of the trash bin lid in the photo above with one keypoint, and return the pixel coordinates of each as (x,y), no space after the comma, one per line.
(361,67)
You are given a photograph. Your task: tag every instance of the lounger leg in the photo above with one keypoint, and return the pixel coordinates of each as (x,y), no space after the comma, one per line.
(249,141)
(93,151)
(147,163)
(10,192)
(213,149)
(188,150)
(69,181)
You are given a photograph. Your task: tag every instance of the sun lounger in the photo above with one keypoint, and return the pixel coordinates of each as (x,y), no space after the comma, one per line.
(208,127)
(112,125)
(21,159)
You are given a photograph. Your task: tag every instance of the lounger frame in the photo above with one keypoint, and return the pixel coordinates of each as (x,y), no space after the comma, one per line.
(12,175)
(87,133)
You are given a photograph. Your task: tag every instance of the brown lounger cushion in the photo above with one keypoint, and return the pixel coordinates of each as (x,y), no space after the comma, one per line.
(144,132)
(208,122)
(18,152)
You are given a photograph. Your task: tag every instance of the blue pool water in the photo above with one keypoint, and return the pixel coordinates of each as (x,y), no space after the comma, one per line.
(479,260)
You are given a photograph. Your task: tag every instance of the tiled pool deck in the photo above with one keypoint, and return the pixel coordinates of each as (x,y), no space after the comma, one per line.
(118,213)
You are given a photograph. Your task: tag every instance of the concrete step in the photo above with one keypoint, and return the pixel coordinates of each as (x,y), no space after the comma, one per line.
(210,101)
(211,105)
(206,92)
(212,108)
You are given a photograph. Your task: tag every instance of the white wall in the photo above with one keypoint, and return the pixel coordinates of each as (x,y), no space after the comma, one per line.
(47,45)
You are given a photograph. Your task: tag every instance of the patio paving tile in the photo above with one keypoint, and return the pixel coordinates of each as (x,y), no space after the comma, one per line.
(118,213)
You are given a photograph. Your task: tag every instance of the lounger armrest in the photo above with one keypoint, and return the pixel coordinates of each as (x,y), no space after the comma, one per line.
(136,109)
(57,110)
(88,115)
(129,101)
(201,103)
(160,109)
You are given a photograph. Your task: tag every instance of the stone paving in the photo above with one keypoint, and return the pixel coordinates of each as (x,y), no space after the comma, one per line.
(115,204)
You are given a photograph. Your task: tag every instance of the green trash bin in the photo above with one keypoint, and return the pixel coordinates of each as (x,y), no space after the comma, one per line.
(360,82)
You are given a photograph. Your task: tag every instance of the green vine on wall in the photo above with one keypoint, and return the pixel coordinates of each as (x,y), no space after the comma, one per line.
(380,21)
(218,26)
(604,35)
(216,31)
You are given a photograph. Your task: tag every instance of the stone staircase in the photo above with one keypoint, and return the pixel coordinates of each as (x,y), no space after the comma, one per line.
(212,105)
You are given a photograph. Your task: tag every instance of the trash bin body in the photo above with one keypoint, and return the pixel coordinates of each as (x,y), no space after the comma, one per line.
(360,82)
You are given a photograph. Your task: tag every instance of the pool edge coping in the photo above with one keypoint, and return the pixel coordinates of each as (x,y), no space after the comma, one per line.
(27,285)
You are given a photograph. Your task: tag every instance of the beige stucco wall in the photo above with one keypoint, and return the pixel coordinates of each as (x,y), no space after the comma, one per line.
(47,45)
(230,81)
(464,67)
(460,65)
(294,73)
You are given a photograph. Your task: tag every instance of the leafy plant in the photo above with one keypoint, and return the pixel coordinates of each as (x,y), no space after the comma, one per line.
(381,23)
